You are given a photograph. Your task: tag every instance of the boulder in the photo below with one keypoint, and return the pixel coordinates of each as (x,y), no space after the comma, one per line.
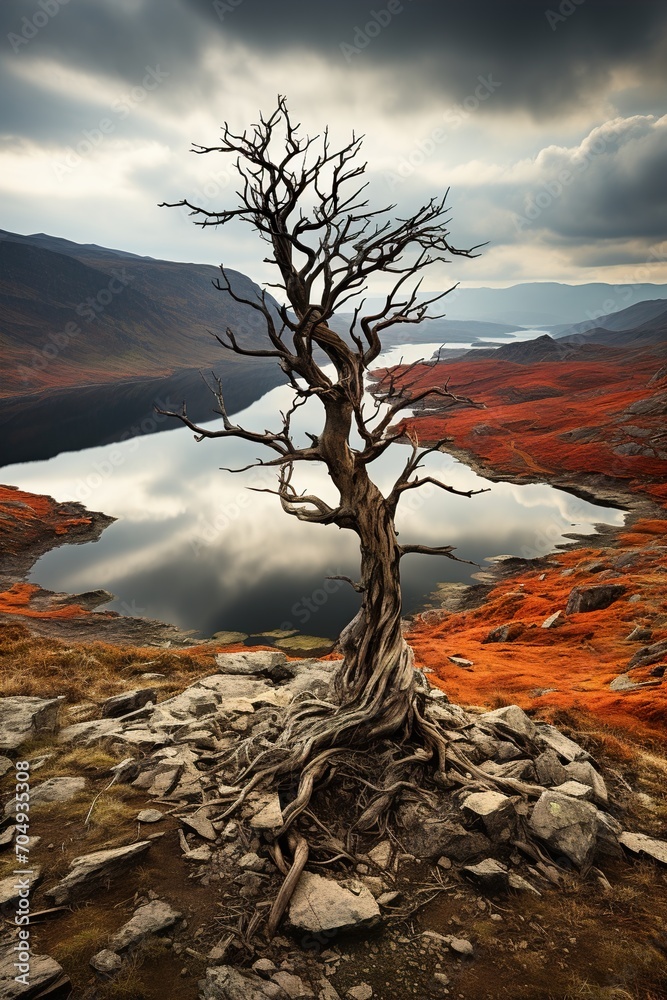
(53,790)
(13,884)
(512,719)
(268,814)
(322,904)
(584,772)
(428,834)
(490,874)
(151,918)
(128,701)
(567,825)
(648,655)
(639,843)
(495,810)
(460,661)
(549,769)
(292,986)
(23,717)
(553,620)
(45,978)
(262,663)
(505,633)
(551,738)
(106,962)
(596,598)
(149,816)
(575,790)
(92,872)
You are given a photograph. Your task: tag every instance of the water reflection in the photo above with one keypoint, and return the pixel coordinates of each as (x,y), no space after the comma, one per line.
(194,547)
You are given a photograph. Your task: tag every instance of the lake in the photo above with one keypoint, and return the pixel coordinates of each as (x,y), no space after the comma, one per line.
(194,547)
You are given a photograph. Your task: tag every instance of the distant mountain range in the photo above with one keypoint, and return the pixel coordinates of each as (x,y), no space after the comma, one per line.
(77,315)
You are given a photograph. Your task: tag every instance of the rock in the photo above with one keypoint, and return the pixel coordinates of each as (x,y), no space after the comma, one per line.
(625,683)
(387,898)
(200,855)
(505,633)
(553,620)
(92,872)
(460,661)
(23,717)
(322,904)
(521,769)
(639,634)
(225,983)
(566,825)
(381,854)
(294,987)
(6,764)
(648,655)
(428,837)
(7,836)
(549,769)
(521,884)
(361,992)
(263,663)
(584,772)
(150,816)
(512,719)
(495,810)
(152,677)
(11,886)
(46,979)
(106,962)
(253,863)
(441,978)
(128,701)
(264,966)
(461,946)
(200,823)
(151,918)
(269,815)
(489,873)
(596,598)
(575,790)
(639,843)
(552,738)
(444,863)
(53,790)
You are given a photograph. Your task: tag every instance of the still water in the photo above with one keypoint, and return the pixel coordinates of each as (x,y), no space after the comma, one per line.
(192,545)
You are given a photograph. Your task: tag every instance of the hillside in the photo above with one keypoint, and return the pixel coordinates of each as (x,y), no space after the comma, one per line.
(624,319)
(77,315)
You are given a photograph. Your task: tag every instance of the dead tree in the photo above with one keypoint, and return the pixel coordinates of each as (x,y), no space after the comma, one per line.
(307,202)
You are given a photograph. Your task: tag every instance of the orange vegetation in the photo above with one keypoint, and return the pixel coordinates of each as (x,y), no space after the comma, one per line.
(571,665)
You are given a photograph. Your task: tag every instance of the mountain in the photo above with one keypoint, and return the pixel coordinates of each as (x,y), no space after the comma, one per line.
(74,315)
(542,303)
(625,319)
(544,348)
(432,331)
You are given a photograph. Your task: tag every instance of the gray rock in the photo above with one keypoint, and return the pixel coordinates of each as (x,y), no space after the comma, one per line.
(512,719)
(639,634)
(106,962)
(381,854)
(495,810)
(575,790)
(91,872)
(94,731)
(361,992)
(549,769)
(639,843)
(428,836)
(322,904)
(521,884)
(292,986)
(6,764)
(253,863)
(647,655)
(128,701)
(584,772)
(625,683)
(585,599)
(151,918)
(45,978)
(264,663)
(460,661)
(149,816)
(553,620)
(566,825)
(490,873)
(53,790)
(552,738)
(268,815)
(225,983)
(22,718)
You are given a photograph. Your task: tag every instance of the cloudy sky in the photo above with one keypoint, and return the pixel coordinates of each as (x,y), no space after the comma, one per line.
(549,124)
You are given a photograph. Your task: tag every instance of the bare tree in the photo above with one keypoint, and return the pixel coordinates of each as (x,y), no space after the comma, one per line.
(307,202)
